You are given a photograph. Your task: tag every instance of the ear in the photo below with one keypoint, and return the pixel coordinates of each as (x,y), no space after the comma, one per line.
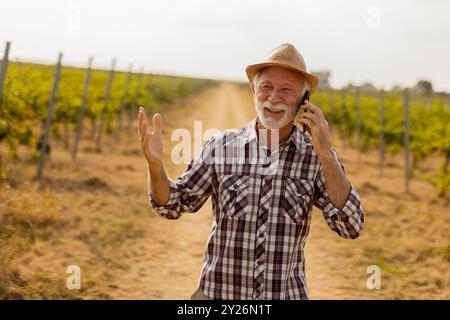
(252,87)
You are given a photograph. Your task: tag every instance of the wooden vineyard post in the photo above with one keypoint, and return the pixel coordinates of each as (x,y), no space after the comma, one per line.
(105,106)
(343,118)
(87,81)
(123,102)
(3,69)
(132,110)
(358,122)
(382,147)
(48,120)
(406,139)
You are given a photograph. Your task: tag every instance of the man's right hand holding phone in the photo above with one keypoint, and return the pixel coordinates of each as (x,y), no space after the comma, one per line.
(317,127)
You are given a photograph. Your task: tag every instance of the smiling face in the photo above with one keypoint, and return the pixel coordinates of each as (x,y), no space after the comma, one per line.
(277,92)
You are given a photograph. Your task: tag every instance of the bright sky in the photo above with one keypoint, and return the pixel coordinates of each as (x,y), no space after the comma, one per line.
(384,42)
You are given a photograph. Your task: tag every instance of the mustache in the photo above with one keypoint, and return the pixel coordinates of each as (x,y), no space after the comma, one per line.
(277,107)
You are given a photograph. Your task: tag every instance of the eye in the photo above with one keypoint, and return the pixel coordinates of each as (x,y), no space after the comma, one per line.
(287,90)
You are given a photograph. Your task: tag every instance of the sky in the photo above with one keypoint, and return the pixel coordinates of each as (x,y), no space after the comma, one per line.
(394,42)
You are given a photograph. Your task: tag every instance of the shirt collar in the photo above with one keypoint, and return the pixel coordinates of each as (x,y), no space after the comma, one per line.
(297,137)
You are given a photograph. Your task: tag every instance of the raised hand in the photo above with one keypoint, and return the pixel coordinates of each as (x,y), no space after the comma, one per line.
(151,142)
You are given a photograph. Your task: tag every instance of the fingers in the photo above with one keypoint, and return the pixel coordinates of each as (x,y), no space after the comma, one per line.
(145,146)
(142,123)
(156,123)
(312,117)
(307,105)
(141,109)
(312,108)
(143,133)
(141,119)
(145,141)
(308,122)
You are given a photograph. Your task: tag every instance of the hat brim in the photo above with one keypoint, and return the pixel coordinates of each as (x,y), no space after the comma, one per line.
(252,69)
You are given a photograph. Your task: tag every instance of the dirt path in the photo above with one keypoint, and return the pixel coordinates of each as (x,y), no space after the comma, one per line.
(172,251)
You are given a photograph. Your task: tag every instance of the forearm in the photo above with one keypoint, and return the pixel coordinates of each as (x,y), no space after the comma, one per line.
(158,183)
(337,184)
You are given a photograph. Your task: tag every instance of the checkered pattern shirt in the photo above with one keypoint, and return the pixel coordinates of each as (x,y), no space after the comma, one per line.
(261,202)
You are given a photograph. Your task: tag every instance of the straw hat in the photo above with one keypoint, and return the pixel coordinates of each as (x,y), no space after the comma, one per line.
(286,56)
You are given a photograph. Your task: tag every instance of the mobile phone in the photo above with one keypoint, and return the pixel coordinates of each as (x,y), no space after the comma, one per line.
(305,97)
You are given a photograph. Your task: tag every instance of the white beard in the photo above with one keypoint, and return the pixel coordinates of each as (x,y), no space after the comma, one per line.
(271,123)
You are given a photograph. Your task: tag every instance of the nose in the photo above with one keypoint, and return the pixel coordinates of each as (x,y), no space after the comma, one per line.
(274,97)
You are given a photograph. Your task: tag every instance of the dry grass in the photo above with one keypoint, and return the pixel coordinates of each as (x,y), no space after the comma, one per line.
(87,214)
(406,235)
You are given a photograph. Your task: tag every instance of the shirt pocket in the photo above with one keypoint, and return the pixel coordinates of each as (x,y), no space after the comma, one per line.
(234,194)
(297,199)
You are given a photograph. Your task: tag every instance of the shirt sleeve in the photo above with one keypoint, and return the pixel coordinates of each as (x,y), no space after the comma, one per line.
(190,191)
(347,222)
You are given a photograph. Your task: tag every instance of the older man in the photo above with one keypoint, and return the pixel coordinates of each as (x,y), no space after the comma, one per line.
(264,179)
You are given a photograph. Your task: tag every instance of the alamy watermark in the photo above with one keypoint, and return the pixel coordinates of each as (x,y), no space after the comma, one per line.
(373,20)
(374,280)
(74,280)
(225,149)
(73,17)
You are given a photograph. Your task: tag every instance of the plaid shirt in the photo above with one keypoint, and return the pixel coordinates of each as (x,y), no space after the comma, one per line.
(262,204)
